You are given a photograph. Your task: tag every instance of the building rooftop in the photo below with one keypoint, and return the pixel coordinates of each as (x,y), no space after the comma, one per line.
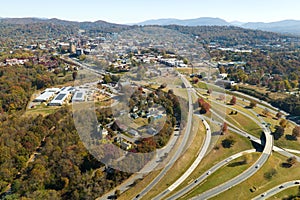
(79,96)
(59,99)
(45,96)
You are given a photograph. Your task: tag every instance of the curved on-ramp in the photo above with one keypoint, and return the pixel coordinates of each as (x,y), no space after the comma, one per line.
(213,169)
(277,189)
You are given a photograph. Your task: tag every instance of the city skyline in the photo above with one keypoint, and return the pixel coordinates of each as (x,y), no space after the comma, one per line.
(133,11)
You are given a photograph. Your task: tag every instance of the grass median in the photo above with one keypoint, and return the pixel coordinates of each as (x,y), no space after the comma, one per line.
(217,154)
(260,182)
(223,175)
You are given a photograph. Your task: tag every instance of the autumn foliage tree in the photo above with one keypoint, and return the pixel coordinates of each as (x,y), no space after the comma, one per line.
(252,104)
(296,132)
(224,128)
(283,123)
(195,80)
(279,115)
(292,160)
(233,100)
(204,106)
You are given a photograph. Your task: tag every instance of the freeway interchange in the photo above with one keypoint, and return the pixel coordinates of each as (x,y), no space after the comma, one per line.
(268,148)
(267,151)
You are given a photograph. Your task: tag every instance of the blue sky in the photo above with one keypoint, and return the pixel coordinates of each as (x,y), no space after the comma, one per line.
(129,11)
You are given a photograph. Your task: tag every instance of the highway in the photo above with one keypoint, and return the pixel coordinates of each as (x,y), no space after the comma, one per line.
(246,174)
(179,150)
(277,189)
(213,192)
(285,152)
(208,173)
(193,166)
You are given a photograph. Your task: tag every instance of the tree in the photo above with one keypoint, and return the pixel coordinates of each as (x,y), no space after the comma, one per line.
(200,102)
(278,133)
(82,57)
(162,86)
(195,80)
(269,174)
(209,91)
(252,104)
(74,75)
(117,193)
(205,107)
(235,88)
(283,123)
(233,100)
(291,160)
(294,84)
(185,61)
(224,128)
(228,142)
(287,85)
(296,132)
(279,115)
(107,79)
(222,70)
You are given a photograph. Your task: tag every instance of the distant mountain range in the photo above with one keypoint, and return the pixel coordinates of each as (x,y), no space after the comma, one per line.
(204,21)
(285,26)
(32,20)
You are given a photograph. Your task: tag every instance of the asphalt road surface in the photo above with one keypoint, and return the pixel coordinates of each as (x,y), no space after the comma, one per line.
(277,189)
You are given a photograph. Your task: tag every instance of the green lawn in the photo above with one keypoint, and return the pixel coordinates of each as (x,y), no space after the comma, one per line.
(222,175)
(242,191)
(41,109)
(240,120)
(282,142)
(216,155)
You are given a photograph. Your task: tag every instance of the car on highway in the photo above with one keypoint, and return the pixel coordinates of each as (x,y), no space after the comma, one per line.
(264,194)
(257,166)
(208,173)
(195,181)
(297,182)
(280,187)
(137,196)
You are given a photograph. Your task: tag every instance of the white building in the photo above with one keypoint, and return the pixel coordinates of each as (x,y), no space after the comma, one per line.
(59,100)
(79,96)
(69,90)
(54,90)
(44,97)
